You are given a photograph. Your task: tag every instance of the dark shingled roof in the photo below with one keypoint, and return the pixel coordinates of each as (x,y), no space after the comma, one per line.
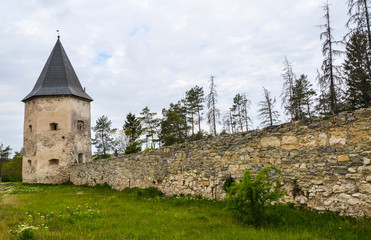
(58,77)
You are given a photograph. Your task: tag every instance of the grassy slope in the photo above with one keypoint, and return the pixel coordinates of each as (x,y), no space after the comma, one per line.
(75,212)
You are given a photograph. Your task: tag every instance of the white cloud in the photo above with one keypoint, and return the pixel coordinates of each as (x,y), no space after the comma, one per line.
(132,54)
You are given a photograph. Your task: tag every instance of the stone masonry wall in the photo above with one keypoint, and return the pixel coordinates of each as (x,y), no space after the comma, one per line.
(326,164)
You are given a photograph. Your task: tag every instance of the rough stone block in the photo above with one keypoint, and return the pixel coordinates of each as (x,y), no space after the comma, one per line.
(338,188)
(289,142)
(322,139)
(343,158)
(270,142)
(337,139)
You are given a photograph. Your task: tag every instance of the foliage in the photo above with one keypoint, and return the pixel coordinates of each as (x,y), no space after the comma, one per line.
(174,124)
(150,192)
(103,140)
(248,200)
(238,116)
(228,182)
(213,112)
(24,232)
(100,157)
(150,126)
(266,111)
(12,170)
(358,11)
(133,130)
(194,100)
(302,98)
(4,152)
(4,155)
(356,70)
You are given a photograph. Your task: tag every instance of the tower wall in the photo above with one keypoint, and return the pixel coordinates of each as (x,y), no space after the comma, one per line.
(56,135)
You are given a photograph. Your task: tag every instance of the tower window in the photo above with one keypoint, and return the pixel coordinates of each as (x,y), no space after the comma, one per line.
(29,128)
(29,162)
(80,125)
(53,126)
(80,158)
(54,162)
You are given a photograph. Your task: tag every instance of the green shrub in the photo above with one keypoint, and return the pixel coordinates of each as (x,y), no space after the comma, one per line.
(150,192)
(248,199)
(12,170)
(24,232)
(227,183)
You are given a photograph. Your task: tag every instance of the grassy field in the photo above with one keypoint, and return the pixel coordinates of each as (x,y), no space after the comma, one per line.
(78,212)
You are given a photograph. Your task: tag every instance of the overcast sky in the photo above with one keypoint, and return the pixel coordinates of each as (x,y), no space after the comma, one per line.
(135,53)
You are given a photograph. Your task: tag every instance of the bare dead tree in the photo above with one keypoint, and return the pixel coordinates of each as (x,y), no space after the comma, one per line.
(213,113)
(266,111)
(329,80)
(287,90)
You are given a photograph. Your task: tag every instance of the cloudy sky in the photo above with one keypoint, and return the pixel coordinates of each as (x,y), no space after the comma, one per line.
(135,53)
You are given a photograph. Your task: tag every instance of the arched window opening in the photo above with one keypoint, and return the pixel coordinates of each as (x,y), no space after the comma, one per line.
(54,162)
(80,125)
(29,163)
(29,128)
(53,126)
(80,158)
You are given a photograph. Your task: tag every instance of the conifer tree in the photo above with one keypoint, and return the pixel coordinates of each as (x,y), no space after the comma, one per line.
(359,14)
(4,155)
(133,130)
(239,115)
(103,139)
(150,126)
(302,99)
(356,72)
(174,125)
(266,111)
(194,103)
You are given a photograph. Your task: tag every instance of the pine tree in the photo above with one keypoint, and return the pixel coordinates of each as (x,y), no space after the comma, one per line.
(133,130)
(266,111)
(103,139)
(150,126)
(239,115)
(356,71)
(213,113)
(194,103)
(4,156)
(358,11)
(302,98)
(174,125)
(329,80)
(236,109)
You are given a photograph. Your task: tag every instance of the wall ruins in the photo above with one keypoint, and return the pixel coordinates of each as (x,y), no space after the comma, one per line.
(326,164)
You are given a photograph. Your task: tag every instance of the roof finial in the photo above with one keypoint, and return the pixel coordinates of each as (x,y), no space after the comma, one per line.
(58,34)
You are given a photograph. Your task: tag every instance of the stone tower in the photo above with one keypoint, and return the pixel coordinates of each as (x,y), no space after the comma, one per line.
(56,122)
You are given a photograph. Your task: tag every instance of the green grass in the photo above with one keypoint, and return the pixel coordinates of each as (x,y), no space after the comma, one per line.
(78,212)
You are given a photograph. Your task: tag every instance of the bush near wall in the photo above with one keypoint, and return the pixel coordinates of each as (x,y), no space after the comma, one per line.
(12,170)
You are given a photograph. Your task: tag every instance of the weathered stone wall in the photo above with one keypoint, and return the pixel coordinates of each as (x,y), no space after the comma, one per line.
(326,164)
(48,153)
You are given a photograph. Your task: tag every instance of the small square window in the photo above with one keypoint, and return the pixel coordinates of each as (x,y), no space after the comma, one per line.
(80,125)
(53,126)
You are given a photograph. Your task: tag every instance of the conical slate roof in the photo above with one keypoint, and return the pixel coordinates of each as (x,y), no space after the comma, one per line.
(58,77)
